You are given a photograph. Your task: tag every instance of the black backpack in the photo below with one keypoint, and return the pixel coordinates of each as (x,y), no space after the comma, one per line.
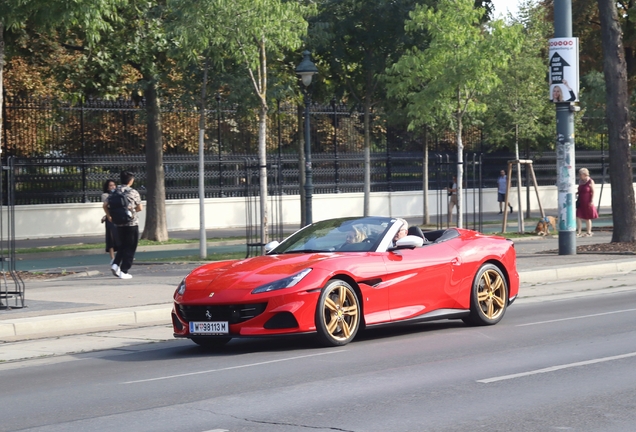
(118,208)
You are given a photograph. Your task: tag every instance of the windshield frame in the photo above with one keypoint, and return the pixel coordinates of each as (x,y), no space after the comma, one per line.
(332,233)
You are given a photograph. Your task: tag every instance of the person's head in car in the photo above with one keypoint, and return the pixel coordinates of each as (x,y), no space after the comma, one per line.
(355,235)
(402,232)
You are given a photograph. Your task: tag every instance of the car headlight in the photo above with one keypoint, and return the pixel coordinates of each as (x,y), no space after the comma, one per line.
(288,282)
(181,288)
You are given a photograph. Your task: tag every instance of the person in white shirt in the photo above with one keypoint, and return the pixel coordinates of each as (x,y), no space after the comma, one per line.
(502,185)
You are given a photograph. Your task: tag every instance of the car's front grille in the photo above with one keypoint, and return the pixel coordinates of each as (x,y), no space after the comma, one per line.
(233,314)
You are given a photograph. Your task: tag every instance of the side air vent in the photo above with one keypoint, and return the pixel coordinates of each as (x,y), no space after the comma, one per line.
(282,320)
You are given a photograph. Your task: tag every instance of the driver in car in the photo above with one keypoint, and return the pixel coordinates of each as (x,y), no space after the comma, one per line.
(355,235)
(402,231)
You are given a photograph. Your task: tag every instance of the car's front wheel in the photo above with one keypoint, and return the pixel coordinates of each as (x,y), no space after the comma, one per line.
(489,296)
(337,313)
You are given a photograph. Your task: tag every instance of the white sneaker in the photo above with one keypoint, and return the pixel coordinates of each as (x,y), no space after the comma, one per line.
(123,275)
(115,269)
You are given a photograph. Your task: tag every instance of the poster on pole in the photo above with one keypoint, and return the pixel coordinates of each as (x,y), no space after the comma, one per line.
(564,70)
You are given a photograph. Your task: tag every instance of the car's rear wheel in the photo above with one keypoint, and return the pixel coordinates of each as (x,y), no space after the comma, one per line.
(337,313)
(211,342)
(489,296)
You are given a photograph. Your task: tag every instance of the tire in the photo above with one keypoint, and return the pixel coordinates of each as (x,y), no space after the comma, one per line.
(488,297)
(337,314)
(215,342)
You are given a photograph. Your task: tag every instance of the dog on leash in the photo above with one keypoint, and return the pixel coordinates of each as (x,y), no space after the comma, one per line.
(543,226)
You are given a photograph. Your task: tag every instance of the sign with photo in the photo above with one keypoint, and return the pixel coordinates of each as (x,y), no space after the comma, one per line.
(564,70)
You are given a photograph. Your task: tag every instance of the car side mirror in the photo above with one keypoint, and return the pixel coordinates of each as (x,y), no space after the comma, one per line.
(409,242)
(271,246)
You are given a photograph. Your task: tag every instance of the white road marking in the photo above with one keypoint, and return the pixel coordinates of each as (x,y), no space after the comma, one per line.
(217,430)
(556,368)
(231,367)
(577,317)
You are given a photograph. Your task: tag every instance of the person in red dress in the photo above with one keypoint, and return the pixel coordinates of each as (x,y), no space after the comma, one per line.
(585,209)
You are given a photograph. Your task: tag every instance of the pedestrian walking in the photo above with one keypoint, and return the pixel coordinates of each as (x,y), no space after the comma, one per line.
(112,238)
(502,186)
(452,198)
(585,209)
(123,205)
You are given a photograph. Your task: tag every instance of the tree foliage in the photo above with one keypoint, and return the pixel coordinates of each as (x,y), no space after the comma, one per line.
(519,110)
(251,32)
(449,79)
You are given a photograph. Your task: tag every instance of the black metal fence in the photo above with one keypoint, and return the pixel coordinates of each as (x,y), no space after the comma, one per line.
(11,284)
(64,152)
(72,180)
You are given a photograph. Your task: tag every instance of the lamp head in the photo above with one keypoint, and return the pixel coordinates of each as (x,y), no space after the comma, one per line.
(306,69)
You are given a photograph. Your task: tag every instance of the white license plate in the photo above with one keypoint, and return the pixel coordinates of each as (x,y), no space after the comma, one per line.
(209,327)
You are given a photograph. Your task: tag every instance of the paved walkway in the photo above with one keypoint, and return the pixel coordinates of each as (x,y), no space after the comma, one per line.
(93,300)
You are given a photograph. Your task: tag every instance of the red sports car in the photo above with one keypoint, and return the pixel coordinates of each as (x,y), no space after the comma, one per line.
(338,276)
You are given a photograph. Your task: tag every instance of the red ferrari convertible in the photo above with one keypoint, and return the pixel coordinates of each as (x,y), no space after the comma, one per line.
(338,276)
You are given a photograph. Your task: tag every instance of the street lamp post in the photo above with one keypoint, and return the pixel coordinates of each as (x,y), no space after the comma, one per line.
(335,144)
(306,70)
(218,131)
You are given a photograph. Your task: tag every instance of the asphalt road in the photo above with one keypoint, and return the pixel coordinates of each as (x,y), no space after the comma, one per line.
(549,365)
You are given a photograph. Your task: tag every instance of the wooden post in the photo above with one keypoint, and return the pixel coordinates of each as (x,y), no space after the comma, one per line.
(534,182)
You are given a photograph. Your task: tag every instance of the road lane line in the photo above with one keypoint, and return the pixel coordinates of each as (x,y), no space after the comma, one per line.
(575,318)
(231,367)
(556,368)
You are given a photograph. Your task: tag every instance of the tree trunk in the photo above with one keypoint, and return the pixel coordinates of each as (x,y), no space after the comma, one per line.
(427,216)
(203,238)
(618,124)
(1,81)
(367,155)
(156,227)
(262,173)
(301,163)
(460,172)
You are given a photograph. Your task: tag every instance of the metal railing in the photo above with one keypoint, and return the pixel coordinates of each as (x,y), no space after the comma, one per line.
(73,180)
(11,285)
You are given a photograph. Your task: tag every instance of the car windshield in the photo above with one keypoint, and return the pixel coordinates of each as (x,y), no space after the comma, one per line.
(337,235)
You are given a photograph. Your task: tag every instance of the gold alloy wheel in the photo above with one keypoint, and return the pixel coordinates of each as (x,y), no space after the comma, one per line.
(491,294)
(341,312)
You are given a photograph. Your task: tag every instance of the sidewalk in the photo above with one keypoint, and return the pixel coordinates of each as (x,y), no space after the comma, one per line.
(92,300)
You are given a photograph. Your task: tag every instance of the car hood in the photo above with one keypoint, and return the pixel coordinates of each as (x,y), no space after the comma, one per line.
(250,273)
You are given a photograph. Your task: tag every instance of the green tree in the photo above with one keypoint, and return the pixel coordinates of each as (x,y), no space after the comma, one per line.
(448,80)
(137,39)
(519,109)
(49,17)
(110,35)
(251,32)
(360,40)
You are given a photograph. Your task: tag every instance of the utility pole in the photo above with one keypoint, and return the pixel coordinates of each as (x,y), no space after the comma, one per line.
(564,83)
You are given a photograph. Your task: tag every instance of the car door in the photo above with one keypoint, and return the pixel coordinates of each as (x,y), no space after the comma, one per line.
(418,279)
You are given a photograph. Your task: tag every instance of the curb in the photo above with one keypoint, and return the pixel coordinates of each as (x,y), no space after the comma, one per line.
(576,271)
(92,320)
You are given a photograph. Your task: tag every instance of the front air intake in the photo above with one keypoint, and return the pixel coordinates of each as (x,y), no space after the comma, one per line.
(233,314)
